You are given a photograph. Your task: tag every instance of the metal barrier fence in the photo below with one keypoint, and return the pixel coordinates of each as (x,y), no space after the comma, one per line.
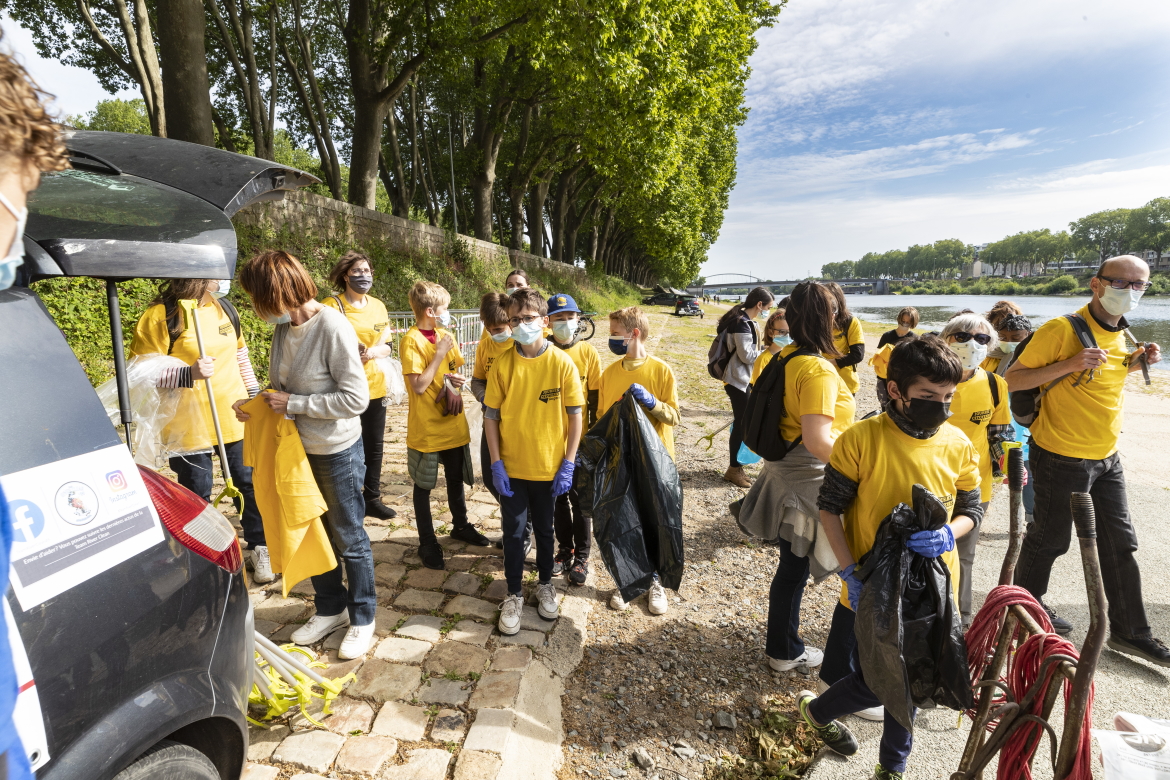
(465,325)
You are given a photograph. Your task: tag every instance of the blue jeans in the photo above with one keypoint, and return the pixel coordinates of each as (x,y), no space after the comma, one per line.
(850,694)
(340,476)
(195,473)
(533,501)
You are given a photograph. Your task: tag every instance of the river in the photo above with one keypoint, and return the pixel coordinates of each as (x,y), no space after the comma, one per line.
(1150,321)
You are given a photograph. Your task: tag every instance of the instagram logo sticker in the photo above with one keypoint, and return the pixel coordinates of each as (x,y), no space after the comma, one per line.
(117,481)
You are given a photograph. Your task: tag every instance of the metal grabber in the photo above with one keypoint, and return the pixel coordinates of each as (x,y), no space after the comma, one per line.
(229,488)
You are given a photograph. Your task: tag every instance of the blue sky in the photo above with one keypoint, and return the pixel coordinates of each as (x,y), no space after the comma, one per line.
(876,125)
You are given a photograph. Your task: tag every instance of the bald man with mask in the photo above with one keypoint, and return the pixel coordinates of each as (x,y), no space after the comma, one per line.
(1074,449)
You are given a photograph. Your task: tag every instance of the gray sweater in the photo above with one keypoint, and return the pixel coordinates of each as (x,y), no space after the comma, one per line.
(744,351)
(325,380)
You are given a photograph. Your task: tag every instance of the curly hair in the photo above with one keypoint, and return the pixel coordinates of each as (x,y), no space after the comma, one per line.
(27,131)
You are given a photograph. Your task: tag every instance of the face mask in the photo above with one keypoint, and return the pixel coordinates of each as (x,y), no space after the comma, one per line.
(763,315)
(1118,302)
(279,319)
(15,255)
(619,346)
(970,354)
(361,284)
(510,290)
(501,337)
(928,415)
(527,332)
(1008,347)
(564,331)
(445,318)
(225,287)
(783,341)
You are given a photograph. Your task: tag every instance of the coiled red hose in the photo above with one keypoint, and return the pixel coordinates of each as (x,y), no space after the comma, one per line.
(1021,672)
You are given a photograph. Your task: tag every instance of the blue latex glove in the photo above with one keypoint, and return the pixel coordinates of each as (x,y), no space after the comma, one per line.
(642,396)
(852,584)
(564,478)
(500,479)
(931,544)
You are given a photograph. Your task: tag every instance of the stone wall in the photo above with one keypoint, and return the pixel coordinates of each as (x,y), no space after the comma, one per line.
(338,221)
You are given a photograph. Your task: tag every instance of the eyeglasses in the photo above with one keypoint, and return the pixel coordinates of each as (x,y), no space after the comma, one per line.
(526,319)
(963,337)
(1125,284)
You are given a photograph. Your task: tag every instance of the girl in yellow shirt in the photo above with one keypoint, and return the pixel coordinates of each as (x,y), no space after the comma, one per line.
(847,338)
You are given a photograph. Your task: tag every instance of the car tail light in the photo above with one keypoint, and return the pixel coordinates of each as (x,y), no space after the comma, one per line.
(200,527)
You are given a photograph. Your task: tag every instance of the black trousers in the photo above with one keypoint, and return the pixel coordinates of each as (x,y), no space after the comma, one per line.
(373,436)
(452,461)
(573,522)
(738,409)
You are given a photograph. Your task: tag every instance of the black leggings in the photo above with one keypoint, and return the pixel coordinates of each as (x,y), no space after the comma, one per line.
(373,435)
(738,408)
(453,470)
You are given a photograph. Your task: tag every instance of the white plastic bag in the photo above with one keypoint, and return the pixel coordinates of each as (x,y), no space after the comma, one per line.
(395,383)
(1139,750)
(153,407)
(474,412)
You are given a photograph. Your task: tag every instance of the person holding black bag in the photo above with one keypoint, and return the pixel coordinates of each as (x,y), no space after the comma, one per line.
(742,337)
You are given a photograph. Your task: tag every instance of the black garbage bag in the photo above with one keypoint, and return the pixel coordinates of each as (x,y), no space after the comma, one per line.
(909,633)
(631,482)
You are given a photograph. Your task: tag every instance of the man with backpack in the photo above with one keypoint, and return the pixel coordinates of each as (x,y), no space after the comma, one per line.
(1076,367)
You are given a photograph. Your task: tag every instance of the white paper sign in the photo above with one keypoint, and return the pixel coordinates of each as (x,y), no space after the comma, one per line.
(30,724)
(75,518)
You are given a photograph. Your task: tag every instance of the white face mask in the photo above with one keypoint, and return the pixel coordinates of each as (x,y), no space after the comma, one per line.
(1008,347)
(565,330)
(970,353)
(279,319)
(445,318)
(1118,302)
(528,332)
(501,337)
(225,287)
(15,254)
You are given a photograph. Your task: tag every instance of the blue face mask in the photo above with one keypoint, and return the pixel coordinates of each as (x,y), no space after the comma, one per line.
(527,332)
(501,337)
(565,330)
(619,346)
(279,319)
(783,341)
(11,261)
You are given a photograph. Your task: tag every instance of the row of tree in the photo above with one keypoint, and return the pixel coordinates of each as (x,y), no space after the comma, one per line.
(604,132)
(1092,238)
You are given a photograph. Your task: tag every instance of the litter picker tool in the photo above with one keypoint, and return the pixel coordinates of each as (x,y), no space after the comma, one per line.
(229,488)
(710,437)
(1145,363)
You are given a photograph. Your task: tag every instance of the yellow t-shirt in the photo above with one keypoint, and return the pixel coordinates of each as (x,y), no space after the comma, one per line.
(758,367)
(842,340)
(1082,421)
(427,430)
(813,386)
(880,360)
(372,324)
(654,375)
(531,394)
(886,463)
(991,363)
(486,354)
(584,357)
(192,428)
(972,411)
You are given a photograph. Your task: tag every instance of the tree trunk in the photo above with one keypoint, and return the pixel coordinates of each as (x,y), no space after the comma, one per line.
(536,198)
(368,118)
(184,71)
(225,132)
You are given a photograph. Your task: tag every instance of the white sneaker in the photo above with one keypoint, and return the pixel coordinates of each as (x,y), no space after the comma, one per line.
(358,641)
(617,602)
(811,657)
(319,627)
(876,714)
(510,611)
(261,565)
(656,599)
(546,602)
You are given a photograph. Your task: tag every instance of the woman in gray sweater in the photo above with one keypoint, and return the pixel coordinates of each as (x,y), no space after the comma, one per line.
(743,342)
(316,377)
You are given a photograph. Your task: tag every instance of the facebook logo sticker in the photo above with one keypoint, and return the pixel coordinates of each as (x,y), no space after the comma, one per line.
(27,520)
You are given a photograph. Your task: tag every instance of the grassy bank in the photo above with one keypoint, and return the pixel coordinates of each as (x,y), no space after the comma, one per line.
(1065,284)
(79,305)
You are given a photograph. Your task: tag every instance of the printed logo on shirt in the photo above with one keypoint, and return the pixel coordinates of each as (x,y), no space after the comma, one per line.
(226,329)
(948,501)
(978,417)
(552,394)
(381,326)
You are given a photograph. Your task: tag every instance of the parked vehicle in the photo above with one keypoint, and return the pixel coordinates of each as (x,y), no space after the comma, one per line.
(663,296)
(129,614)
(687,307)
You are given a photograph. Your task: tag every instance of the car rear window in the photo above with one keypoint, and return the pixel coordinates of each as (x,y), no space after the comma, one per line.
(51,411)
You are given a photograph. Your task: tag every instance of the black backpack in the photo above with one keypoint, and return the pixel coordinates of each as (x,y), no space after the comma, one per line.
(765,409)
(173,321)
(719,354)
(1025,404)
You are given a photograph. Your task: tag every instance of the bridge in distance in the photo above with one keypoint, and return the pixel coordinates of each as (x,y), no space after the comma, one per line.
(746,281)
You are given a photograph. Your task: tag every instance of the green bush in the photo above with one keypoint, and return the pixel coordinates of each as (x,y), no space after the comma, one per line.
(1007,288)
(1061,285)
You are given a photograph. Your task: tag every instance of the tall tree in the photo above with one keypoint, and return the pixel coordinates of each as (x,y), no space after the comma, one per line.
(184,71)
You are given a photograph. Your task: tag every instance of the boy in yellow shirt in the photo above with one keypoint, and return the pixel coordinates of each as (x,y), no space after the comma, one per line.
(874,467)
(532,417)
(496,340)
(433,436)
(573,517)
(651,382)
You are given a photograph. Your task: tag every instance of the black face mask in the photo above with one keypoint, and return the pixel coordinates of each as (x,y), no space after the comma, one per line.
(927,415)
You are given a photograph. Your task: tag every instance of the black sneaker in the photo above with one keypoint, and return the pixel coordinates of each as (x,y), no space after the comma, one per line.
(562,562)
(836,736)
(470,534)
(1059,624)
(375,508)
(431,555)
(881,773)
(1146,647)
(579,571)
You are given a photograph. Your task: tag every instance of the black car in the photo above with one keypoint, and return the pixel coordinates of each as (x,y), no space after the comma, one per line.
(133,627)
(663,296)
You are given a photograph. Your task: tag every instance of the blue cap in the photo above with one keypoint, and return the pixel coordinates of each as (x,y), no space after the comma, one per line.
(562,302)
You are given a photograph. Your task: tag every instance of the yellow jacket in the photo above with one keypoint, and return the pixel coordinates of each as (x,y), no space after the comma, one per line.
(287,496)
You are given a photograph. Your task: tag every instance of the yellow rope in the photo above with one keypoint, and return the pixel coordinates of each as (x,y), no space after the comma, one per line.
(285,696)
